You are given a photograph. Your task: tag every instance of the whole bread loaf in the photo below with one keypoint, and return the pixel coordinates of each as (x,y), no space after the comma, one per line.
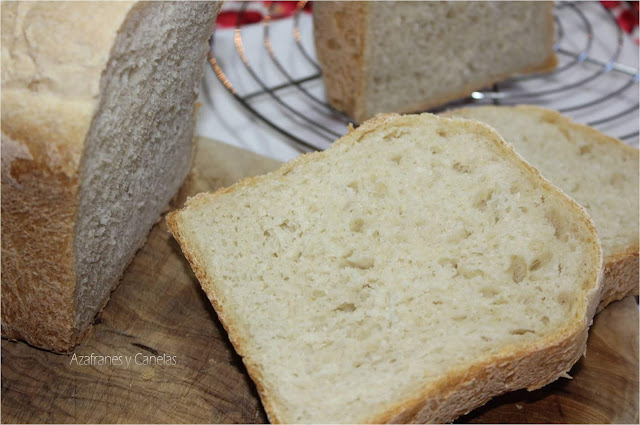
(388,56)
(409,273)
(97,124)
(598,171)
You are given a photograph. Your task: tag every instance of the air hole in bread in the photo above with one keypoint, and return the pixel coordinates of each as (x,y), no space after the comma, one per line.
(482,197)
(348,254)
(558,223)
(285,225)
(517,268)
(395,134)
(461,168)
(564,297)
(358,261)
(346,307)
(515,188)
(442,132)
(448,262)
(396,159)
(541,260)
(459,235)
(488,292)
(317,293)
(356,225)
(353,186)
(521,331)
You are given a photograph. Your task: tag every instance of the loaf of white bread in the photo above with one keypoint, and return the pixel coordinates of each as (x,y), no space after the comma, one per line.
(387,56)
(598,171)
(409,273)
(98,102)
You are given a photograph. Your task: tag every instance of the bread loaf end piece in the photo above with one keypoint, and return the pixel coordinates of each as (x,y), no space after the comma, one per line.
(97,129)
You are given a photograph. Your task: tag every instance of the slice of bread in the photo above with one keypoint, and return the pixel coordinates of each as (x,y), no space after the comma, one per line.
(98,112)
(598,171)
(411,272)
(410,56)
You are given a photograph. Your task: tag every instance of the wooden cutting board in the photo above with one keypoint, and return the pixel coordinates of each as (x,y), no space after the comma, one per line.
(159,310)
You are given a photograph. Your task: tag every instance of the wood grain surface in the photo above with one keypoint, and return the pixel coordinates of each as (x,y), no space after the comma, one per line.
(159,310)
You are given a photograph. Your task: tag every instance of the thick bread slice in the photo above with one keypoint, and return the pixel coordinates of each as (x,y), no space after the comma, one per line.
(411,272)
(598,171)
(410,56)
(98,110)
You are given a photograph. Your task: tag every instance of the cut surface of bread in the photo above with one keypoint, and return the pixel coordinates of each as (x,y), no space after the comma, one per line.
(97,128)
(412,271)
(598,171)
(411,56)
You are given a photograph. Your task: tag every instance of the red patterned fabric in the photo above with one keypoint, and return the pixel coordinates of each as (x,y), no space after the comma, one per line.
(626,13)
(255,11)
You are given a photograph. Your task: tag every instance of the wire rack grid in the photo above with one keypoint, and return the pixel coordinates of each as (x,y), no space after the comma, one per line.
(590,84)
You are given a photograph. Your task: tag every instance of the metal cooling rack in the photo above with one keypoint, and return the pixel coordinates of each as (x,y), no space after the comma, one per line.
(589,84)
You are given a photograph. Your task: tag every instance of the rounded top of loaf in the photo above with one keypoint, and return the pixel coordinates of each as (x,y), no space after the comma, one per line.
(59,48)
